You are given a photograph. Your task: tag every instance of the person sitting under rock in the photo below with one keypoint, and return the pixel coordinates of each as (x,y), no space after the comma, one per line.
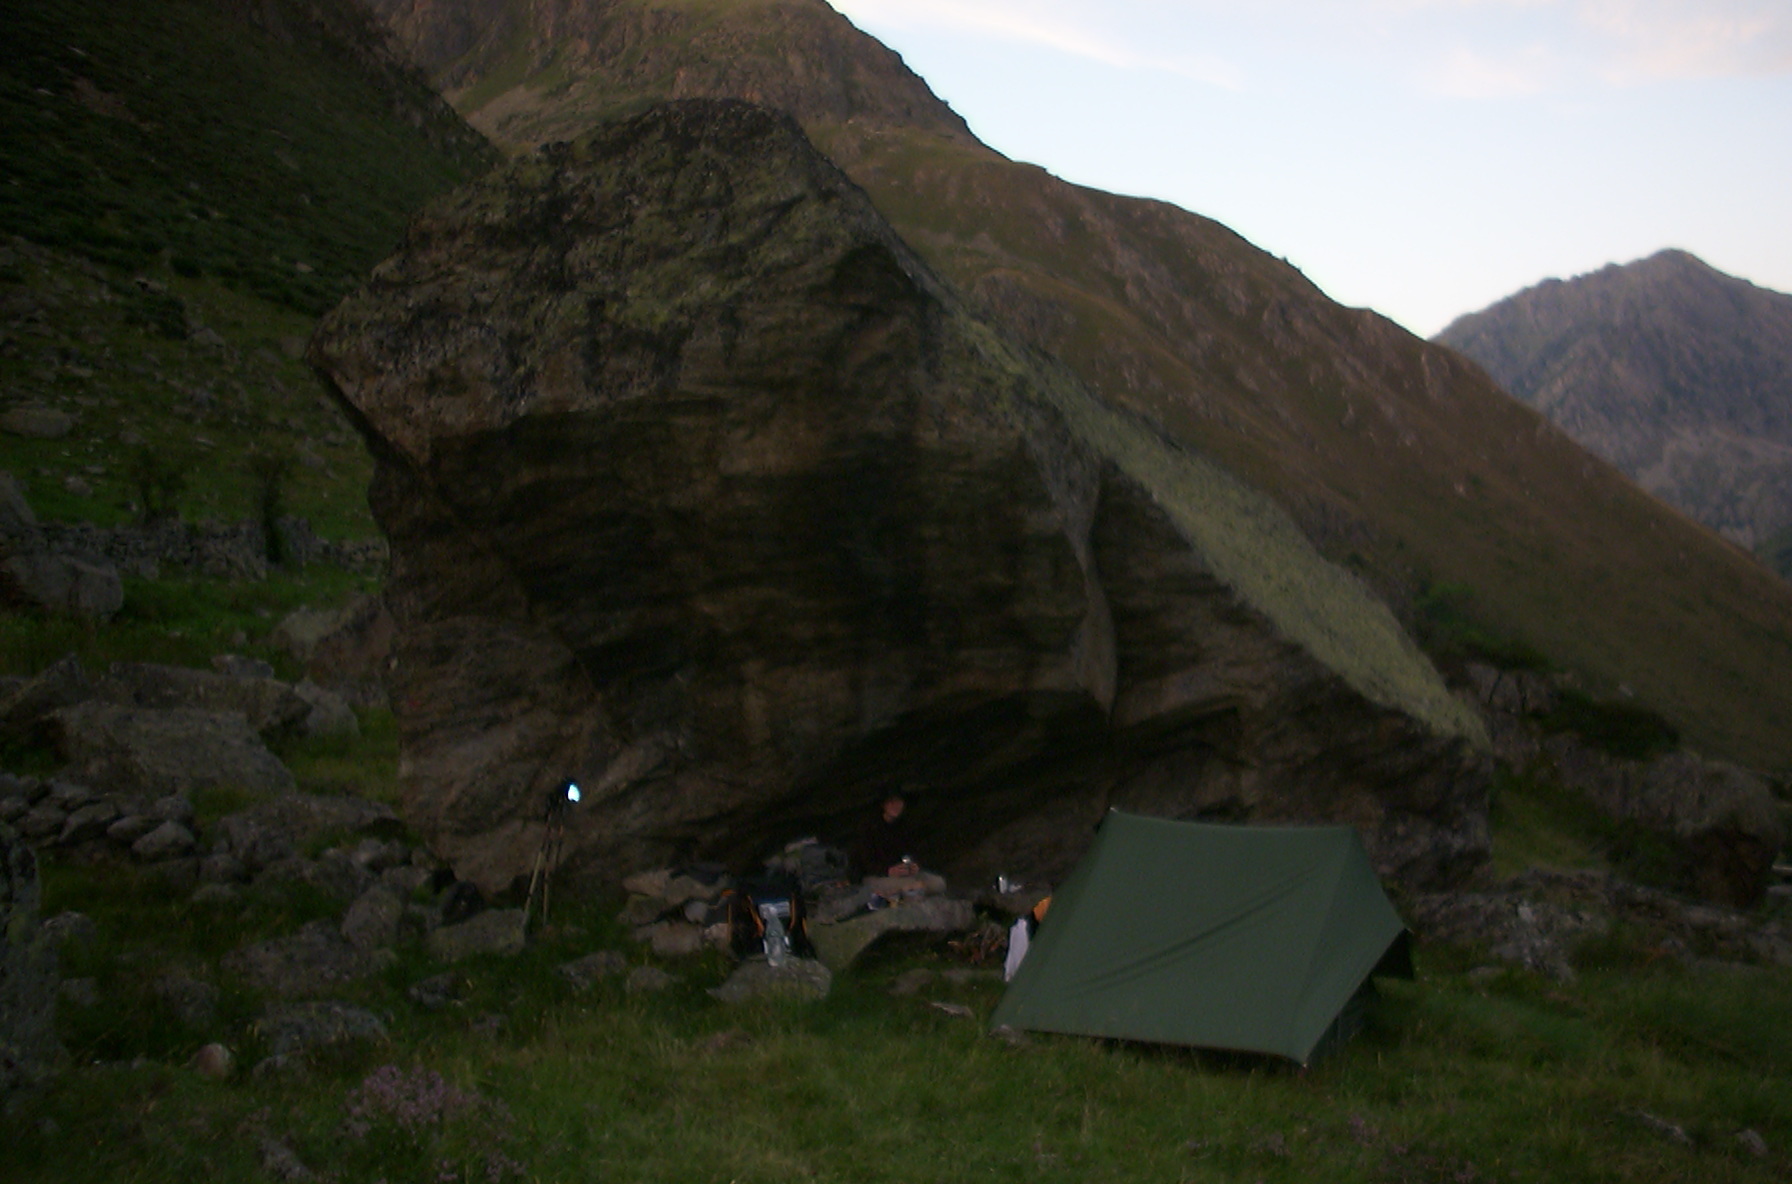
(885,855)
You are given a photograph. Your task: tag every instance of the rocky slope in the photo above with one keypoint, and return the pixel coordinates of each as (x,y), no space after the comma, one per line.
(704,491)
(1397,457)
(1675,372)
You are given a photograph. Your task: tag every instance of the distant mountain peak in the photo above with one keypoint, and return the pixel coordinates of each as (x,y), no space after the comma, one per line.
(1677,373)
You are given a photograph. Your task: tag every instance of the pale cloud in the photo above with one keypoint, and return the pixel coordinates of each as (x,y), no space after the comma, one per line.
(1481,49)
(1652,39)
(1465,74)
(1082,30)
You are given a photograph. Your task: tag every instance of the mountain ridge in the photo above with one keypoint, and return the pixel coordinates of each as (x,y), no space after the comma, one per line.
(1677,373)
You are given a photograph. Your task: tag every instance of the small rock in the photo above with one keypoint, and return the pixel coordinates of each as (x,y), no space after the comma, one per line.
(1664,1128)
(206,337)
(405,881)
(70,796)
(798,978)
(37,423)
(222,867)
(309,962)
(1013,1037)
(372,921)
(238,666)
(648,980)
(649,883)
(174,807)
(436,992)
(130,828)
(214,1061)
(89,822)
(193,1000)
(216,894)
(294,1029)
(499,931)
(40,822)
(957,1010)
(672,939)
(70,928)
(641,911)
(277,1159)
(170,840)
(1753,1143)
(584,973)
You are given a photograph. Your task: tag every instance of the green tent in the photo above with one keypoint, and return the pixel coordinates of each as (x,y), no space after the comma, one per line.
(1257,939)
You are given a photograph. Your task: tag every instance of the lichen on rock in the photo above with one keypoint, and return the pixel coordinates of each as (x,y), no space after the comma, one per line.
(704,491)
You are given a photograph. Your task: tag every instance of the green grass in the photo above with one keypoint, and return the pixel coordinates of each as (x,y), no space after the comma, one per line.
(1515,1078)
(1539,823)
(180,622)
(365,765)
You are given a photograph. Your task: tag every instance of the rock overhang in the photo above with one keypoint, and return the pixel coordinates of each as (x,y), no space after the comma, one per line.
(702,488)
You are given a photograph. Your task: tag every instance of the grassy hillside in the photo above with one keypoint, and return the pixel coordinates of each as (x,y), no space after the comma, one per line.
(1399,459)
(265,146)
(183,185)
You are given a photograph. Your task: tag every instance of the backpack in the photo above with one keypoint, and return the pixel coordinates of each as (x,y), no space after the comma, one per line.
(746,927)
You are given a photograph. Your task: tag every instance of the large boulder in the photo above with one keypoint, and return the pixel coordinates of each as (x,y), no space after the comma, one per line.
(272,707)
(31,574)
(345,650)
(137,750)
(29,1050)
(703,490)
(1723,821)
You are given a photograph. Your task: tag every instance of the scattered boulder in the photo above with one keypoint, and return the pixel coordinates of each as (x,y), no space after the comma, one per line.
(194,1001)
(436,992)
(1725,820)
(214,1061)
(297,1029)
(277,829)
(797,978)
(346,650)
(70,929)
(313,961)
(271,706)
(585,973)
(673,939)
(170,840)
(29,1050)
(66,584)
(63,683)
(1535,920)
(140,750)
(838,944)
(648,980)
(36,423)
(497,931)
(373,920)
(88,822)
(327,713)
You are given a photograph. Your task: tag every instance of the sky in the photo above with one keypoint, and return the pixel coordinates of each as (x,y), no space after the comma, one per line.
(1423,158)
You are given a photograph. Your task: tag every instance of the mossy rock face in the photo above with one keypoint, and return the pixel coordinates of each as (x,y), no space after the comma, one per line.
(705,492)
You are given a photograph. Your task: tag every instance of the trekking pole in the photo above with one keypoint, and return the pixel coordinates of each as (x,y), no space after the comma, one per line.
(547,856)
